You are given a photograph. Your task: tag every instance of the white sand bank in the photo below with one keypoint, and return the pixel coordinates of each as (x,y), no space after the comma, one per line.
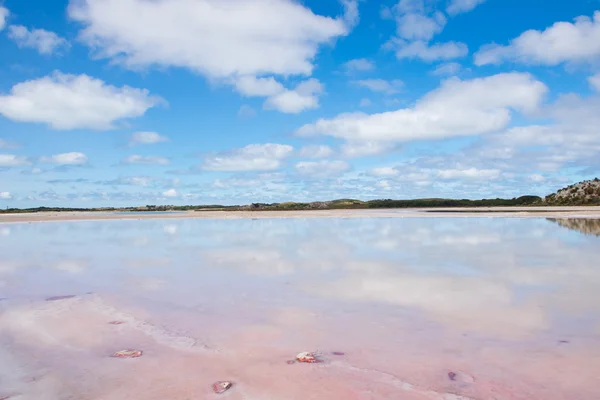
(514,212)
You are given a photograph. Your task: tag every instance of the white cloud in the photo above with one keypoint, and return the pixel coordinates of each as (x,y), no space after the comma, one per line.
(359,64)
(146,138)
(469,173)
(73,158)
(224,40)
(416,26)
(457,108)
(45,42)
(447,69)
(322,169)
(145,160)
(217,38)
(304,97)
(252,86)
(254,157)
(385,185)
(225,184)
(461,6)
(11,160)
(537,178)
(170,193)
(4,13)
(429,53)
(318,151)
(74,102)
(364,102)
(7,145)
(381,85)
(562,42)
(594,81)
(136,181)
(246,111)
(384,172)
(360,148)
(5,196)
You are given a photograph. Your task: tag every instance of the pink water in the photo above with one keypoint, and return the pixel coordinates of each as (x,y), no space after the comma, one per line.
(509,307)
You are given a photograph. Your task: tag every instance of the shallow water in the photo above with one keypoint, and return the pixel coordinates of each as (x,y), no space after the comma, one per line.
(507,308)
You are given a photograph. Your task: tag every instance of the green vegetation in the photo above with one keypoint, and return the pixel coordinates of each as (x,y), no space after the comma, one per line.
(586,193)
(389,203)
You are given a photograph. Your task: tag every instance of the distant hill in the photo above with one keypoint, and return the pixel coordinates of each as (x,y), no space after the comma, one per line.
(580,194)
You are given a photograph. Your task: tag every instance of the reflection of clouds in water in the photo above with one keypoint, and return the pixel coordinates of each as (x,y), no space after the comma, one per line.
(140,241)
(148,263)
(253,261)
(74,266)
(502,275)
(4,231)
(484,275)
(149,284)
(8,267)
(170,229)
(463,302)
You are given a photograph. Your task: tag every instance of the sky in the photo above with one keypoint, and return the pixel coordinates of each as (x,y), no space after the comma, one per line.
(135,102)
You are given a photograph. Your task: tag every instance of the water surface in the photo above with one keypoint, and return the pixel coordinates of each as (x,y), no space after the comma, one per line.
(465,308)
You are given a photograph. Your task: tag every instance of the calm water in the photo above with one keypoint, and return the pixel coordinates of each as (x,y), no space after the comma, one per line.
(508,308)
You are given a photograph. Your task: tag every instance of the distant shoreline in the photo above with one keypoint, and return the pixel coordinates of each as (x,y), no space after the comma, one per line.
(480,212)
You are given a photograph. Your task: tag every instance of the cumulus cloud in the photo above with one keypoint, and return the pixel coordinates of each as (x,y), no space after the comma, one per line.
(461,6)
(73,158)
(254,157)
(359,64)
(456,108)
(224,40)
(170,193)
(365,102)
(4,144)
(322,169)
(317,151)
(11,160)
(447,69)
(594,81)
(562,42)
(246,111)
(469,173)
(303,97)
(249,85)
(5,196)
(45,42)
(4,13)
(381,85)
(430,52)
(417,26)
(146,138)
(360,148)
(219,38)
(52,100)
(136,159)
(383,172)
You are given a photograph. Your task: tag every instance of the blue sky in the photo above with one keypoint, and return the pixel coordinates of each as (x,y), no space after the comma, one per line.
(128,102)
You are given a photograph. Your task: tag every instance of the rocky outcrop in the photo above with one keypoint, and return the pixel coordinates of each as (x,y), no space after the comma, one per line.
(582,193)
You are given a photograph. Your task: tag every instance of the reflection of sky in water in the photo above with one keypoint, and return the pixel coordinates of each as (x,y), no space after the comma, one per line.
(478,272)
(512,301)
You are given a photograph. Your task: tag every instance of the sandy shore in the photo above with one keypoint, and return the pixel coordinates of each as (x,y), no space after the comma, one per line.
(486,212)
